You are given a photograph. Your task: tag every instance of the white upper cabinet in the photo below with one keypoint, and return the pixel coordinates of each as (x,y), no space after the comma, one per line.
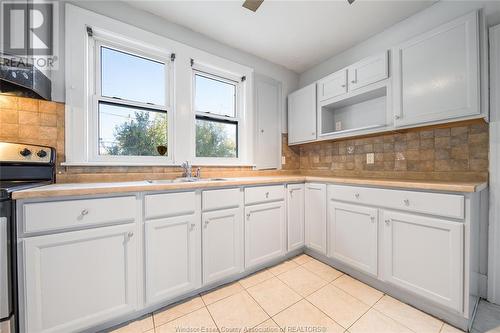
(424,255)
(333,85)
(302,115)
(436,75)
(368,71)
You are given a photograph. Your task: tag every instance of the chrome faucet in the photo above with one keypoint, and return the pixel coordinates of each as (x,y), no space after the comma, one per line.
(186,169)
(198,173)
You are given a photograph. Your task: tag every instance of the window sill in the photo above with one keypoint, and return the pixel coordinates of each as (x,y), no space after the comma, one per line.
(166,164)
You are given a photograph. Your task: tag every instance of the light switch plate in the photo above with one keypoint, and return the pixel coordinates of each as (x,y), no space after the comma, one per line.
(338,126)
(370,158)
(283,160)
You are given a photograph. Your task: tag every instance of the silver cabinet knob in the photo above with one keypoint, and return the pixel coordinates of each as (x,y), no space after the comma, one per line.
(372,218)
(397,117)
(357,195)
(353,81)
(192,226)
(248,216)
(407,202)
(313,133)
(267,195)
(343,86)
(206,223)
(84,212)
(262,131)
(130,234)
(387,222)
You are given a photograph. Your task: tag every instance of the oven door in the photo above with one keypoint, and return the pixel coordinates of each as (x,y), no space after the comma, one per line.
(6,287)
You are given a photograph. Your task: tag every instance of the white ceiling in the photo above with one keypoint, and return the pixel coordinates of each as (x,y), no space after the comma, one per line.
(295,34)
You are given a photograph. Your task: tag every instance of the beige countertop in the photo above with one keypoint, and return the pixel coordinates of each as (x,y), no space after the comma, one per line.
(75,189)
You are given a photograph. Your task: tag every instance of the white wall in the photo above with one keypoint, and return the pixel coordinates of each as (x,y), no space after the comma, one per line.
(149,22)
(425,20)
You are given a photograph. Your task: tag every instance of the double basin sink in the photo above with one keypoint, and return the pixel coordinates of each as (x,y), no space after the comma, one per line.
(185,180)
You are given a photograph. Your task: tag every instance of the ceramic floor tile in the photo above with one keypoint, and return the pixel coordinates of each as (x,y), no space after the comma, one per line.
(339,305)
(273,295)
(302,281)
(222,292)
(256,278)
(238,311)
(269,326)
(324,271)
(487,318)
(197,321)
(305,317)
(140,325)
(302,259)
(283,267)
(376,322)
(410,317)
(450,329)
(361,291)
(173,312)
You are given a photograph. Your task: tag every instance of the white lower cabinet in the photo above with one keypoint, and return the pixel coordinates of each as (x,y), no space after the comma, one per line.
(173,262)
(315,217)
(425,256)
(265,226)
(353,235)
(76,280)
(295,216)
(222,244)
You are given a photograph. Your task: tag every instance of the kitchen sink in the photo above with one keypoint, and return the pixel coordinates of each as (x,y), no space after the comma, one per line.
(184,180)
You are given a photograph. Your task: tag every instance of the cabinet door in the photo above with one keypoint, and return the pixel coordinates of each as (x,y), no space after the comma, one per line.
(353,235)
(173,260)
(295,216)
(368,71)
(436,75)
(315,217)
(268,113)
(264,233)
(333,85)
(302,115)
(76,280)
(222,244)
(425,256)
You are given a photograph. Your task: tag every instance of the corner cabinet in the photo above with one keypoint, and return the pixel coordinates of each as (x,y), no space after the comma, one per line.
(302,115)
(437,74)
(75,280)
(315,217)
(425,256)
(353,235)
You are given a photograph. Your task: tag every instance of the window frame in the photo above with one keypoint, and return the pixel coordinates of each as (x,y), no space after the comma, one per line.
(96,42)
(238,118)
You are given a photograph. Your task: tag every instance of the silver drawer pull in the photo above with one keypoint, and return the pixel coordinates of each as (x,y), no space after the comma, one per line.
(357,195)
(267,195)
(407,202)
(84,212)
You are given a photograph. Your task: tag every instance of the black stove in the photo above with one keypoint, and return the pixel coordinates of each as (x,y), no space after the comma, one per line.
(21,167)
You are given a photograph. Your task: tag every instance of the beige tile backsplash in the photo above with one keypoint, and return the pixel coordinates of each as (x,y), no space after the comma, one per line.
(456,151)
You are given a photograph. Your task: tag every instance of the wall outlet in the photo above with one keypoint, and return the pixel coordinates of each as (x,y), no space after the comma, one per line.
(283,160)
(338,126)
(370,158)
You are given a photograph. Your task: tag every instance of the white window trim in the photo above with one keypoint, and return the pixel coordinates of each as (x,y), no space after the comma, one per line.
(97,41)
(182,133)
(238,117)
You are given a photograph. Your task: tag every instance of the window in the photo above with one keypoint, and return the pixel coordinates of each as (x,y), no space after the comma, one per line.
(131,103)
(217,118)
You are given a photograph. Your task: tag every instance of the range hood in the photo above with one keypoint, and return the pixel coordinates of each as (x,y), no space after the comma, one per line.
(23,79)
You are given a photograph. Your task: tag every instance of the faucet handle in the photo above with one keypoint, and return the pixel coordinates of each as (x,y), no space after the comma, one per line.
(198,172)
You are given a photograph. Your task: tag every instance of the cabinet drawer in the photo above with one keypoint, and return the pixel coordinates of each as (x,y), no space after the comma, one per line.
(47,216)
(264,194)
(169,204)
(447,205)
(221,199)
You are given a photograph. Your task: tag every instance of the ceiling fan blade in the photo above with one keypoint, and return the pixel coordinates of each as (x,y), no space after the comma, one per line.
(350,1)
(253,5)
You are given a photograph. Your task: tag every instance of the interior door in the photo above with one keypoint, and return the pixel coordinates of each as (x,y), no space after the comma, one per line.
(268,97)
(353,235)
(172,257)
(425,256)
(222,244)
